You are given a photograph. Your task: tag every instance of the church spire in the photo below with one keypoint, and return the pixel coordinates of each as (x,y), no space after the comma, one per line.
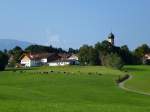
(111,38)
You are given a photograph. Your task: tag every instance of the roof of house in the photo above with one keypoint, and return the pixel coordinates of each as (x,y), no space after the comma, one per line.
(52,56)
(147,55)
(37,56)
(64,56)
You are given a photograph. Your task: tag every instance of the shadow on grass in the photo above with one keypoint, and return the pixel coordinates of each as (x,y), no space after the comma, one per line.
(134,69)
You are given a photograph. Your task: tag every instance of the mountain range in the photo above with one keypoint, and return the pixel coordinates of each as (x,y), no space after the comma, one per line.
(11,43)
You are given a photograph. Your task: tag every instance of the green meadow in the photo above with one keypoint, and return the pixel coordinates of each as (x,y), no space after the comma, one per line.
(73,89)
(140,78)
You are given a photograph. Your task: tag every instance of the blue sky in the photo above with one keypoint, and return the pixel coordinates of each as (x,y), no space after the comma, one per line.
(72,23)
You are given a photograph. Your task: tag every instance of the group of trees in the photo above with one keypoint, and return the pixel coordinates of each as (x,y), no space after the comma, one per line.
(102,53)
(40,48)
(3,60)
(140,52)
(106,54)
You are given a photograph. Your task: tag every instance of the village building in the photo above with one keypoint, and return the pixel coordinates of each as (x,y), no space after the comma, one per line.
(65,59)
(36,59)
(51,59)
(147,56)
(146,59)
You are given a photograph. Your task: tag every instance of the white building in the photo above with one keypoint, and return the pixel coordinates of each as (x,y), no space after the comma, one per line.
(147,56)
(32,60)
(64,60)
(59,63)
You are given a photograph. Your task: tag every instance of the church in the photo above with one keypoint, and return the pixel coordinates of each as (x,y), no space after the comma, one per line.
(111,38)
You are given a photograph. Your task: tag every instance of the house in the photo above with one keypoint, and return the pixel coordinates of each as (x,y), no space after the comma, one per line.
(147,56)
(65,59)
(146,59)
(74,60)
(59,63)
(51,59)
(36,59)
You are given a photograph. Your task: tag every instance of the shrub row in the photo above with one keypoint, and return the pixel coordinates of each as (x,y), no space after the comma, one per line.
(64,72)
(123,78)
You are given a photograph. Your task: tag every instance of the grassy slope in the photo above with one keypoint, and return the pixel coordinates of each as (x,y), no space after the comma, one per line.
(57,92)
(141,78)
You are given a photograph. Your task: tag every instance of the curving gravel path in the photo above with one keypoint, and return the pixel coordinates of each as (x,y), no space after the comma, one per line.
(121,85)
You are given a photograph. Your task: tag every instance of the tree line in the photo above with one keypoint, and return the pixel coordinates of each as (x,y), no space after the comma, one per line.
(102,53)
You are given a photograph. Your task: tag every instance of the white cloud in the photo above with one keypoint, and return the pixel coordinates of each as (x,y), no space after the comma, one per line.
(54,39)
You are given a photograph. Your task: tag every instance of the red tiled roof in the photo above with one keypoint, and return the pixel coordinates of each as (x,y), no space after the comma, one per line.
(37,56)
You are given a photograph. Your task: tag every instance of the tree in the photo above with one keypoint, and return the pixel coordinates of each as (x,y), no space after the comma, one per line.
(142,50)
(36,49)
(93,56)
(41,49)
(16,52)
(113,60)
(74,51)
(3,60)
(88,55)
(83,55)
(126,55)
(104,48)
(139,53)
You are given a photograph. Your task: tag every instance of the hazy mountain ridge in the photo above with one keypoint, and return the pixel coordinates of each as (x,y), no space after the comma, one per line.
(11,43)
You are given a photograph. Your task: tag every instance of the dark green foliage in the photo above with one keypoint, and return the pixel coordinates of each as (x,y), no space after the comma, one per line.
(16,53)
(104,47)
(93,56)
(122,78)
(146,62)
(83,55)
(74,51)
(113,60)
(14,56)
(142,50)
(126,55)
(3,61)
(40,49)
(139,53)
(88,55)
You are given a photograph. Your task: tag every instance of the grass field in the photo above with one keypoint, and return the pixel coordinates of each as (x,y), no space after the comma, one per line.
(141,78)
(68,89)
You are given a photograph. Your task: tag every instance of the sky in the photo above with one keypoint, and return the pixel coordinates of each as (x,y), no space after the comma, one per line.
(72,23)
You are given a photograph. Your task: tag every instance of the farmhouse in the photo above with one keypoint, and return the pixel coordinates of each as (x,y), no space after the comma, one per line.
(65,59)
(51,59)
(31,60)
(147,56)
(146,59)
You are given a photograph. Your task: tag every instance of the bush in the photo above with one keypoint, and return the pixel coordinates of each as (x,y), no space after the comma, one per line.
(123,78)
(113,60)
(3,61)
(146,62)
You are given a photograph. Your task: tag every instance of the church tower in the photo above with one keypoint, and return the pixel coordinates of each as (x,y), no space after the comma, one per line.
(111,38)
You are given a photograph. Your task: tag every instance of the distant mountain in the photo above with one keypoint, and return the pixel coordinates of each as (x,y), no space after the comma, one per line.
(10,43)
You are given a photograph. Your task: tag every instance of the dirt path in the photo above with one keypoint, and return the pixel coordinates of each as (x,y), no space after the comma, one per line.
(122,86)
